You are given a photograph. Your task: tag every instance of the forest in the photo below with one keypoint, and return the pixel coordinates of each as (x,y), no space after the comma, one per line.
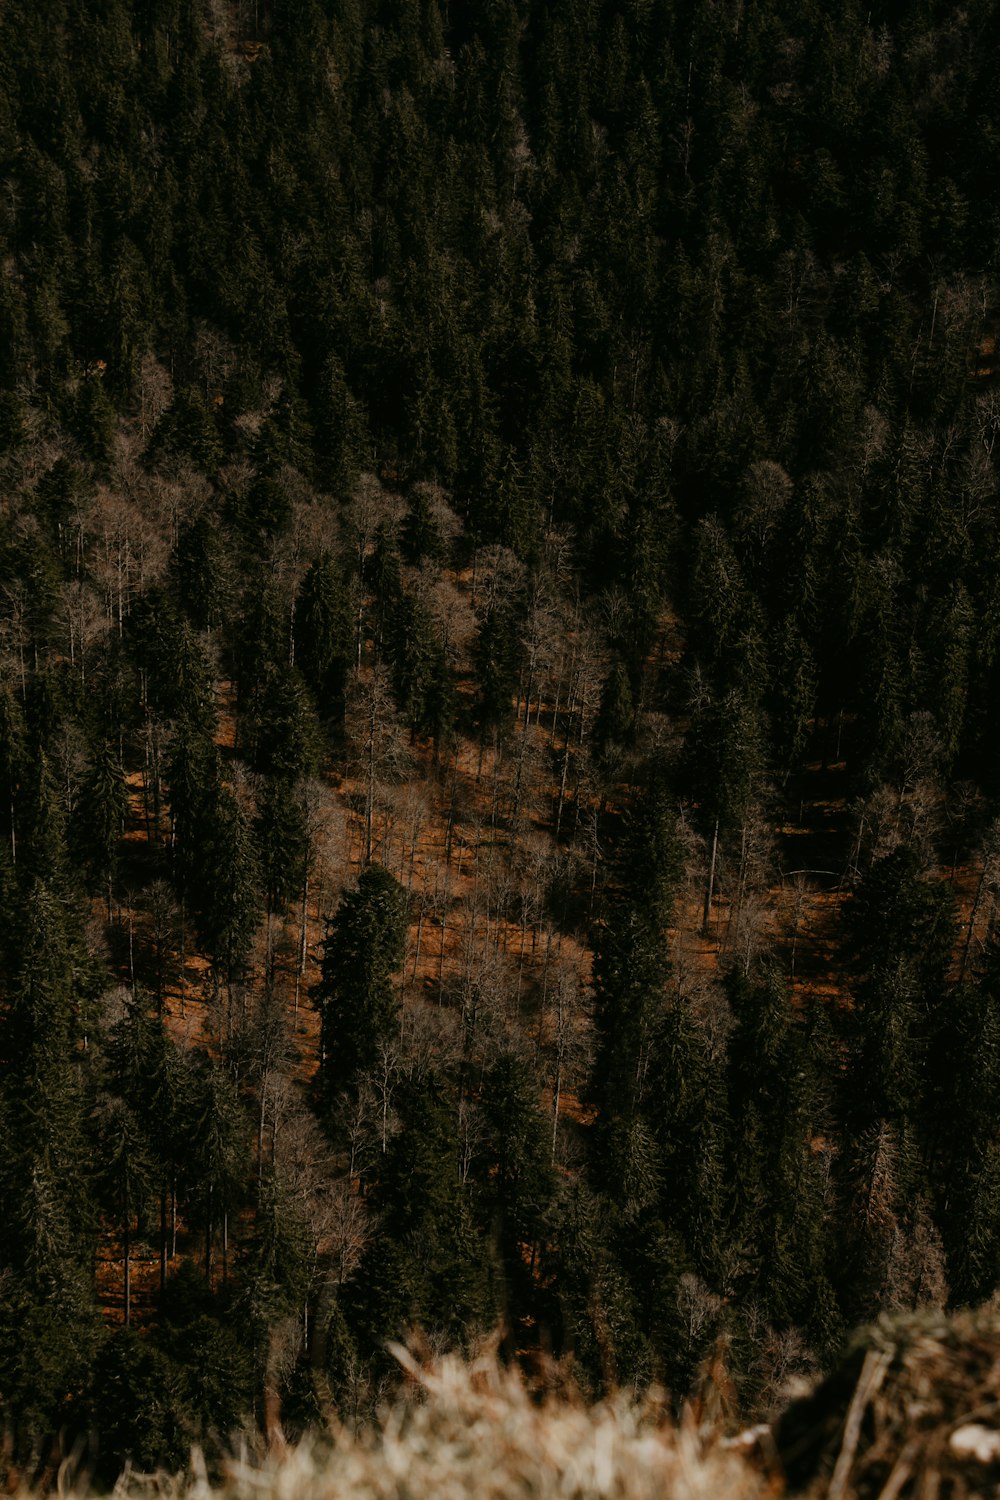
(499,697)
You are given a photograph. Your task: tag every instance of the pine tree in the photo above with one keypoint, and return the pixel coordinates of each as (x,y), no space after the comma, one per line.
(50,1326)
(198,563)
(778,1219)
(187,430)
(149,1075)
(363,949)
(616,715)
(137,1405)
(125,1173)
(323,635)
(13,765)
(518,1159)
(227,896)
(217,1156)
(447,1275)
(902,933)
(421,673)
(193,784)
(631,961)
(963,1098)
(101,814)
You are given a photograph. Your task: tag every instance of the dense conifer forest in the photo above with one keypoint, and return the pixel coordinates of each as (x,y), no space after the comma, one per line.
(499,695)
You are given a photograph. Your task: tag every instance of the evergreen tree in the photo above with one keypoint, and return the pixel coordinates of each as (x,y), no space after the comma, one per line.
(323,635)
(137,1407)
(216,1157)
(519,1170)
(101,814)
(13,765)
(124,1179)
(227,894)
(964,1085)
(446,1271)
(902,930)
(778,1217)
(631,963)
(50,1326)
(363,949)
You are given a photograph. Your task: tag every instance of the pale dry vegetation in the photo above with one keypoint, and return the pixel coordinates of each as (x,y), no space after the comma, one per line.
(476,1430)
(913,1409)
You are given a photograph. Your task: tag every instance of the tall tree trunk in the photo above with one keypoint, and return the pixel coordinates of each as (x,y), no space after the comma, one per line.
(562,790)
(127,1258)
(970,930)
(303,941)
(163,1237)
(710,891)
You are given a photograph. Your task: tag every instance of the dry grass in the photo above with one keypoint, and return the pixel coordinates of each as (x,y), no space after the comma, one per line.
(912,1411)
(476,1431)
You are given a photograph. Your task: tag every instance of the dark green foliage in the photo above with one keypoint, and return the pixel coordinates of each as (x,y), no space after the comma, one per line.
(13,765)
(281,735)
(280,1259)
(902,931)
(964,1092)
(616,715)
(93,421)
(355,995)
(49,1338)
(693,315)
(421,538)
(205,1337)
(187,431)
(421,671)
(340,425)
(498,647)
(226,896)
(125,1175)
(429,1239)
(724,753)
(631,963)
(215,1161)
(262,653)
(283,840)
(518,1147)
(60,492)
(101,815)
(199,566)
(138,1407)
(777,1115)
(50,1326)
(172,658)
(12,431)
(630,970)
(323,635)
(192,782)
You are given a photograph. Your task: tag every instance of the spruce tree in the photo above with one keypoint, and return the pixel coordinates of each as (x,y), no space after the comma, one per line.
(125,1174)
(323,635)
(216,1158)
(363,949)
(51,1327)
(101,815)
